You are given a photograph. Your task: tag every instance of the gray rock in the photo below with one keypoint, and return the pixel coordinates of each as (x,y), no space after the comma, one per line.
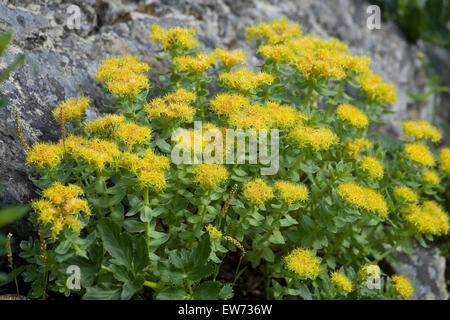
(425,268)
(68,59)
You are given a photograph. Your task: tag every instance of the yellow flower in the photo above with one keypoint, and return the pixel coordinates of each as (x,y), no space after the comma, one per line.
(257,191)
(230,58)
(60,206)
(72,109)
(195,64)
(407,194)
(245,80)
(123,76)
(421,129)
(105,126)
(176,37)
(149,170)
(303,262)
(132,134)
(180,96)
(354,147)
(251,117)
(372,166)
(226,103)
(210,175)
(291,192)
(431,177)
(173,106)
(419,153)
(341,281)
(71,143)
(376,90)
(356,65)
(370,270)
(151,179)
(317,139)
(153,161)
(277,31)
(213,232)
(352,115)
(282,116)
(97,152)
(319,64)
(403,286)
(45,155)
(445,159)
(363,197)
(429,218)
(278,53)
(195,137)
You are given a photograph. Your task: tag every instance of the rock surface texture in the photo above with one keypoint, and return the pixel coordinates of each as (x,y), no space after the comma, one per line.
(67,60)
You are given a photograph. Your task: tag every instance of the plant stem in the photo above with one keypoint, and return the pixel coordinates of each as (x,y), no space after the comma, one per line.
(153,285)
(296,163)
(147,224)
(308,95)
(388,252)
(83,129)
(341,87)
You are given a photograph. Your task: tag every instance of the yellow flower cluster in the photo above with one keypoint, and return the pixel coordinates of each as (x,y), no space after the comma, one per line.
(96,152)
(352,115)
(353,148)
(341,281)
(421,129)
(210,175)
(282,116)
(105,126)
(376,90)
(419,153)
(172,106)
(370,270)
(303,262)
(372,166)
(72,109)
(429,218)
(149,170)
(322,59)
(291,192)
(245,80)
(278,52)
(45,155)
(257,191)
(407,194)
(182,38)
(431,177)
(195,137)
(251,117)
(363,197)
(317,139)
(213,232)
(444,157)
(230,58)
(226,103)
(277,31)
(132,134)
(195,64)
(60,206)
(403,286)
(124,75)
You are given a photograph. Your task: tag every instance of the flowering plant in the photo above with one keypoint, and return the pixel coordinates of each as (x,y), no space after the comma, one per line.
(341,200)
